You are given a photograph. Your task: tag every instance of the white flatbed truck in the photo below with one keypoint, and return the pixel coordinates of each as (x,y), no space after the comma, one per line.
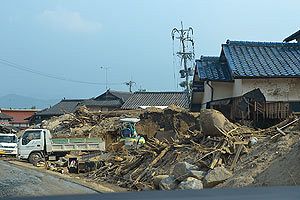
(35,144)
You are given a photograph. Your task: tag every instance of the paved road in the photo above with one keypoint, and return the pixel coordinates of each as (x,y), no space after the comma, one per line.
(19,182)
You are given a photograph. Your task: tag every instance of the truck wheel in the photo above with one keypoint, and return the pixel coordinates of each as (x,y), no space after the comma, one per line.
(35,157)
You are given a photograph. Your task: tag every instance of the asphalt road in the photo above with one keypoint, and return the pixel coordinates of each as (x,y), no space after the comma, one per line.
(21,182)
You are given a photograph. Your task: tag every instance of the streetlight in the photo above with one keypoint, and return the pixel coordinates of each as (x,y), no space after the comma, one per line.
(106,68)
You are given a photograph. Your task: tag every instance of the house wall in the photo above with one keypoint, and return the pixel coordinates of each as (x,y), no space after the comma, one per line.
(221,90)
(274,89)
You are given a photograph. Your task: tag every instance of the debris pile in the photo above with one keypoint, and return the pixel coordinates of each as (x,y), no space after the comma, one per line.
(84,123)
(6,129)
(183,150)
(193,159)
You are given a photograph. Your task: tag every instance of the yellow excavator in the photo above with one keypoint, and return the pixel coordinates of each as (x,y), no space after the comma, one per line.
(129,134)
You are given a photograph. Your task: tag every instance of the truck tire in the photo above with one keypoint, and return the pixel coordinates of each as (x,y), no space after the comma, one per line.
(35,157)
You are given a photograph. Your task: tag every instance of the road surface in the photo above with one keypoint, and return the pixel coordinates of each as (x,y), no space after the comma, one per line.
(19,182)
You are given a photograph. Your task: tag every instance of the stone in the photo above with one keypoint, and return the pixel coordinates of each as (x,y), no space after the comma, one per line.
(157,179)
(216,176)
(182,170)
(191,184)
(197,174)
(168,183)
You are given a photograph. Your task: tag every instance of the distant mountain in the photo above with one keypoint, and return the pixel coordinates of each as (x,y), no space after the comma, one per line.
(17,101)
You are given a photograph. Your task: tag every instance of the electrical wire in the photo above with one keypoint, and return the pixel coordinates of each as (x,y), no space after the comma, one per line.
(4,62)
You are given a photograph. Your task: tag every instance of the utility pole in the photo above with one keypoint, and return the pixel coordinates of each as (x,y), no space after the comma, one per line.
(186,53)
(130,84)
(106,68)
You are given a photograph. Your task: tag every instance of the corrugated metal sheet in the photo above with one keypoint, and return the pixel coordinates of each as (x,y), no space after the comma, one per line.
(138,99)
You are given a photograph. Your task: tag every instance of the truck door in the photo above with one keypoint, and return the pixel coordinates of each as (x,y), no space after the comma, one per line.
(31,141)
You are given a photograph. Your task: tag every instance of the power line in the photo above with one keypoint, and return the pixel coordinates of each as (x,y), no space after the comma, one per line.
(27,69)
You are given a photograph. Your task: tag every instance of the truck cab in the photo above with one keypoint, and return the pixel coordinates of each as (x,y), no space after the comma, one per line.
(8,144)
(33,144)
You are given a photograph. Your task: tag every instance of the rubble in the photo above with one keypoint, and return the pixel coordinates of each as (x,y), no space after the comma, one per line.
(191,184)
(157,179)
(6,129)
(216,176)
(182,170)
(197,174)
(168,183)
(182,149)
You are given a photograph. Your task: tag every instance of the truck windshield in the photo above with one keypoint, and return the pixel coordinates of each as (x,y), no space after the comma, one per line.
(8,139)
(30,135)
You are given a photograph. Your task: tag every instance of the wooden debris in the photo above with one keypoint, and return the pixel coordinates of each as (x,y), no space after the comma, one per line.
(236,157)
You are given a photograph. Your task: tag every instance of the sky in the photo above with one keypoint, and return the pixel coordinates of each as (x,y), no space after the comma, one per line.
(78,39)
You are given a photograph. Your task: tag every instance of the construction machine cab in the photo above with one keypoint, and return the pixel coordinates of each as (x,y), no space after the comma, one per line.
(129,134)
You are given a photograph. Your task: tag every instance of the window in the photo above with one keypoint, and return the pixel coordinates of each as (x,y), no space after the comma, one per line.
(8,139)
(30,135)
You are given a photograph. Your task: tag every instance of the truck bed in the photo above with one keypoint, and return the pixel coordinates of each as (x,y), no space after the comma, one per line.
(77,144)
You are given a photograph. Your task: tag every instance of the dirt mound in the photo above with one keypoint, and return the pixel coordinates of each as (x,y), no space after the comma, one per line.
(172,118)
(271,162)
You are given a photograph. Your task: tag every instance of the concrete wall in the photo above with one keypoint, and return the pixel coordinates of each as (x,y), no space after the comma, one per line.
(274,89)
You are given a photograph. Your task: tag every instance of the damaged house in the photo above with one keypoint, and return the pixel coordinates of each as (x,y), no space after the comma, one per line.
(249,80)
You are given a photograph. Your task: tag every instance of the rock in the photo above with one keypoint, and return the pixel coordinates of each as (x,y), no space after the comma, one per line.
(191,184)
(216,176)
(212,121)
(237,182)
(168,183)
(182,170)
(197,174)
(157,179)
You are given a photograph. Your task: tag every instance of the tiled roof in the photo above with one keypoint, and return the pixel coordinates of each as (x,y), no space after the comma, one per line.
(262,59)
(138,99)
(120,94)
(102,103)
(210,68)
(294,36)
(64,106)
(19,116)
(4,116)
(116,94)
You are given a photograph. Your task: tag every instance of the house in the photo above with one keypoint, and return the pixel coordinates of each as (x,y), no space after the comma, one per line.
(110,100)
(4,119)
(157,99)
(19,117)
(294,36)
(63,107)
(249,80)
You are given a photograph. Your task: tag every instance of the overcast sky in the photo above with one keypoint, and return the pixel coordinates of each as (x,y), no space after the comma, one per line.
(74,39)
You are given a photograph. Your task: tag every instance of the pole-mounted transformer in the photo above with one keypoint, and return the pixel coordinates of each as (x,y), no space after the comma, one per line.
(186,53)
